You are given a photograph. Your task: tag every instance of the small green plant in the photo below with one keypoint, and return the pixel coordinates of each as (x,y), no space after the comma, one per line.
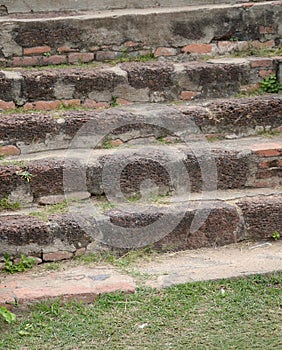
(25,175)
(114,102)
(7,315)
(5,204)
(24,264)
(276,235)
(271,84)
(47,54)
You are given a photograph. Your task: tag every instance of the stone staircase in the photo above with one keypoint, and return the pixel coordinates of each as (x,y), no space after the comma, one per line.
(116,133)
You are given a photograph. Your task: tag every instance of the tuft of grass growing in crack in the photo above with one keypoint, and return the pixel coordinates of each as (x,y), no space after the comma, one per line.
(19,163)
(252,51)
(123,261)
(268,133)
(50,210)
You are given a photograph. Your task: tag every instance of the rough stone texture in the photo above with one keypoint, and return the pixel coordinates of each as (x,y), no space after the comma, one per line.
(182,28)
(21,230)
(220,228)
(132,81)
(233,169)
(155,76)
(263,215)
(57,256)
(219,223)
(224,164)
(67,229)
(91,35)
(9,179)
(9,150)
(239,117)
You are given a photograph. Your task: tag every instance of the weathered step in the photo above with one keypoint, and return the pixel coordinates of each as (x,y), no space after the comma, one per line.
(188,30)
(132,82)
(177,225)
(195,165)
(32,6)
(233,118)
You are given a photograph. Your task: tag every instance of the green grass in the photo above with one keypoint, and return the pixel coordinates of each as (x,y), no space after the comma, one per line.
(6,204)
(190,316)
(49,210)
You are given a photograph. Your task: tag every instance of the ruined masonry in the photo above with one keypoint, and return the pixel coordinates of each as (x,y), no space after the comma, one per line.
(126,124)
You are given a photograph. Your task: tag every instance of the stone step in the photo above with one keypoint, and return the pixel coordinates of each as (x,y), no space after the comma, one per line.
(33,7)
(224,218)
(132,82)
(151,169)
(163,31)
(30,132)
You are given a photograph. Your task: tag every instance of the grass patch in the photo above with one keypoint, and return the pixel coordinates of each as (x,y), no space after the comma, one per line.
(6,204)
(268,133)
(49,210)
(252,51)
(190,316)
(121,261)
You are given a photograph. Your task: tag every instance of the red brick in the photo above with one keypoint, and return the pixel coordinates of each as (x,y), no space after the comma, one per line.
(263,73)
(267,30)
(262,45)
(107,55)
(122,101)
(66,49)
(71,103)
(57,256)
(93,104)
(54,59)
(4,106)
(247,4)
(165,51)
(29,106)
(267,183)
(81,57)
(37,50)
(188,95)
(102,105)
(89,103)
(94,48)
(9,150)
(131,44)
(271,149)
(269,173)
(198,48)
(43,105)
(116,143)
(276,163)
(261,62)
(26,61)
